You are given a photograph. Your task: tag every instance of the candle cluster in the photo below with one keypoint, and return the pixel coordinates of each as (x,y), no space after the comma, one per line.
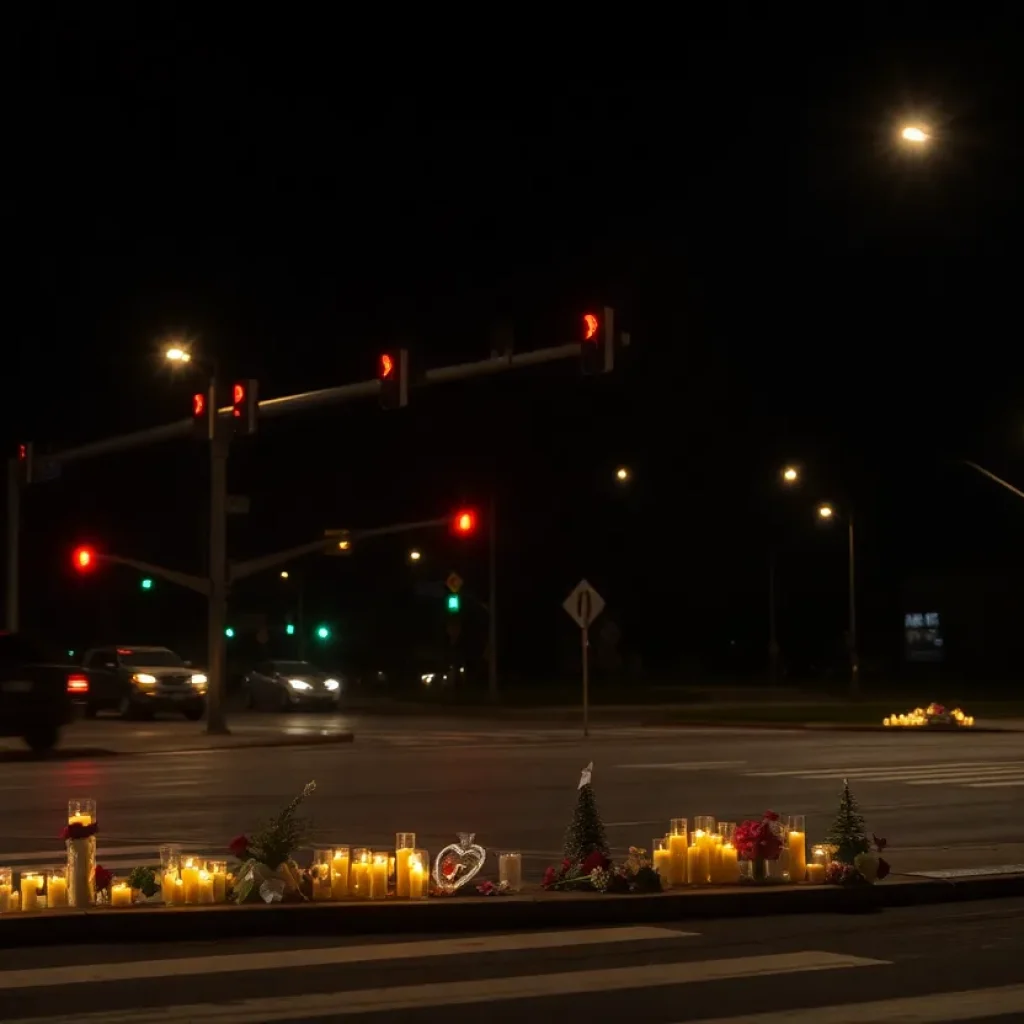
(35,890)
(934,714)
(187,879)
(342,872)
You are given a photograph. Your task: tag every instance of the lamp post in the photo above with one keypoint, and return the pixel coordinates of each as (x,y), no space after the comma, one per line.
(826,513)
(789,477)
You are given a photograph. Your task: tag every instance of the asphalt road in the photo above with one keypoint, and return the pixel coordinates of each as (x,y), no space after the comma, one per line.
(954,962)
(514,787)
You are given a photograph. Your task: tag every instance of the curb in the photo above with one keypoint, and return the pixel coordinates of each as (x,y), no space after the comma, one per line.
(824,727)
(476,914)
(331,739)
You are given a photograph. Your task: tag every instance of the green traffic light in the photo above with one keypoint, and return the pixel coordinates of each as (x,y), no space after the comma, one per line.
(290,629)
(147,584)
(323,632)
(229,632)
(453,602)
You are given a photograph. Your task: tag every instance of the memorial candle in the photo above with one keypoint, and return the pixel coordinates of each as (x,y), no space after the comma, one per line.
(678,852)
(379,876)
(190,879)
(120,895)
(30,883)
(797,846)
(5,890)
(339,873)
(57,889)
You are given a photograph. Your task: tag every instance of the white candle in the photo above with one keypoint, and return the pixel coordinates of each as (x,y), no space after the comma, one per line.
(56,891)
(121,895)
(379,878)
(339,875)
(417,879)
(30,891)
(510,870)
(205,887)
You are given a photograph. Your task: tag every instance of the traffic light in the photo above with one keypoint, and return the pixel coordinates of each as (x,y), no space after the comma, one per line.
(84,559)
(597,341)
(289,629)
(146,584)
(229,632)
(25,460)
(464,522)
(453,602)
(245,406)
(323,632)
(202,416)
(393,374)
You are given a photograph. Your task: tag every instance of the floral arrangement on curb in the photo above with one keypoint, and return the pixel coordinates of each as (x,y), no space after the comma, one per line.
(143,880)
(102,878)
(856,859)
(268,871)
(934,715)
(758,842)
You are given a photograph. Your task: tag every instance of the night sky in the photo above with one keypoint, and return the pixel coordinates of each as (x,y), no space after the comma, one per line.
(799,288)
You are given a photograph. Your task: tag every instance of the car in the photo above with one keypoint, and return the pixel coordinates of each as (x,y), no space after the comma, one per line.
(284,685)
(36,693)
(136,681)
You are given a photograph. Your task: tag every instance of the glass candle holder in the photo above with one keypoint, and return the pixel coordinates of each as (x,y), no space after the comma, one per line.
(704,823)
(727,830)
(204,886)
(510,870)
(120,893)
(190,867)
(359,878)
(819,855)
(340,862)
(5,890)
(677,845)
(57,887)
(219,873)
(30,884)
(661,858)
(379,874)
(405,843)
(796,846)
(320,873)
(419,874)
(82,811)
(170,876)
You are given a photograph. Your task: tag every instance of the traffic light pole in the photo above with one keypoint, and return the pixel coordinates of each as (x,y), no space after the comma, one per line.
(217,604)
(11,605)
(492,600)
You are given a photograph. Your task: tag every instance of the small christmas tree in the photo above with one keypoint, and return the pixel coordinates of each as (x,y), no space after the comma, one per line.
(848,833)
(586,833)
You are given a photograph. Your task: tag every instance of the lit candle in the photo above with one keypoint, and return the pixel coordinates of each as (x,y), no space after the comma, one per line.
(510,871)
(30,891)
(729,865)
(15,903)
(5,890)
(322,881)
(816,874)
(219,873)
(663,861)
(796,847)
(360,878)
(402,856)
(205,889)
(379,877)
(693,864)
(190,879)
(178,896)
(79,819)
(417,878)
(56,891)
(121,895)
(678,852)
(168,883)
(339,873)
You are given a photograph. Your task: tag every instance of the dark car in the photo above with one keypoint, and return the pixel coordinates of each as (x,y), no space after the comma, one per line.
(137,681)
(36,694)
(283,685)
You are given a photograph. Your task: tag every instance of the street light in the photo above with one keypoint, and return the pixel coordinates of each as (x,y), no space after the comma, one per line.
(176,354)
(284,574)
(827,513)
(622,474)
(790,475)
(915,135)
(415,556)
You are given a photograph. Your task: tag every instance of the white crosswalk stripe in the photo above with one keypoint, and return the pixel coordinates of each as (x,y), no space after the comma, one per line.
(521,737)
(968,774)
(53,985)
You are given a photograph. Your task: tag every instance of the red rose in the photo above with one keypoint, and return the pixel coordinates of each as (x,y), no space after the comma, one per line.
(449,867)
(239,846)
(883,868)
(549,878)
(595,860)
(770,816)
(102,878)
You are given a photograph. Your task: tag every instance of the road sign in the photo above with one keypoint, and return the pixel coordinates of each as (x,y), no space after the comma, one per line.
(454,582)
(584,604)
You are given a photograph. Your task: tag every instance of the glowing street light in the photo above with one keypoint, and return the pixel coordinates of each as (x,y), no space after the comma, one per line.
(622,474)
(915,135)
(826,511)
(415,556)
(176,354)
(284,574)
(790,475)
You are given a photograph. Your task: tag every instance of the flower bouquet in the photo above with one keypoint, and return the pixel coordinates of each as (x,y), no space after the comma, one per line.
(267,871)
(759,842)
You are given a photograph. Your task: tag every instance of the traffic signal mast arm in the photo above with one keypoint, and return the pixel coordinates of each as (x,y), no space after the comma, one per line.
(199,584)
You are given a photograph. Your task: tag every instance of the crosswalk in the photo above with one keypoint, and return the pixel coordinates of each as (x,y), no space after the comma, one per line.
(995,775)
(660,975)
(429,738)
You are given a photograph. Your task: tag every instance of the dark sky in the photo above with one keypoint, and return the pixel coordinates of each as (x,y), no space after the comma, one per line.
(797,285)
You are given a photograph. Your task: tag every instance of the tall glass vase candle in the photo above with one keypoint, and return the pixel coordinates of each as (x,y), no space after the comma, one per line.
(405,843)
(419,875)
(816,874)
(219,873)
(796,844)
(320,872)
(677,846)
(57,887)
(31,883)
(510,870)
(339,873)
(5,890)
(170,864)
(661,853)
(704,823)
(204,891)
(819,856)
(190,878)
(379,875)
(360,877)
(81,853)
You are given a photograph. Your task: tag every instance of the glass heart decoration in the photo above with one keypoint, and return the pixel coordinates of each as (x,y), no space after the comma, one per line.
(458,863)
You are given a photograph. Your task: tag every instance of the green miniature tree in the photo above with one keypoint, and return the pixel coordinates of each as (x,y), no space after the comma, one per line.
(848,834)
(585,835)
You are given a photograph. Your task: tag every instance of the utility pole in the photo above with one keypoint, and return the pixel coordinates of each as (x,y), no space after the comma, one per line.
(854,659)
(216,615)
(492,599)
(773,638)
(13,545)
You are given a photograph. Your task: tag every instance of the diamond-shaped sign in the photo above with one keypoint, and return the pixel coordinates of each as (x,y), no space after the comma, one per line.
(454,582)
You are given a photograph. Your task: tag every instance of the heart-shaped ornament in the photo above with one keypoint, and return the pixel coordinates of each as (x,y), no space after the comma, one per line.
(459,863)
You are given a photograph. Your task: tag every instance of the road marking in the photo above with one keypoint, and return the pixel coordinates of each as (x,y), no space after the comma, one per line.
(298,958)
(687,766)
(852,773)
(486,990)
(111,851)
(1000,869)
(994,785)
(969,774)
(930,1009)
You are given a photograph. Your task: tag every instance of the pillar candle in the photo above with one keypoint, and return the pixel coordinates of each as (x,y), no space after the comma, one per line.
(679,855)
(178,895)
(816,874)
(167,884)
(663,865)
(204,890)
(56,891)
(15,902)
(30,891)
(693,864)
(729,870)
(360,879)
(797,856)
(5,898)
(402,871)
(379,878)
(220,886)
(80,819)
(121,895)
(190,879)
(339,875)
(510,870)
(417,880)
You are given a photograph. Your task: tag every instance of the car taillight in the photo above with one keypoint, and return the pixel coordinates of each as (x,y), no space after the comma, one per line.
(78,684)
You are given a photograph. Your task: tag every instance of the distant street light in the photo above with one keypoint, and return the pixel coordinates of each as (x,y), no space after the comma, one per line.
(790,475)
(284,574)
(175,354)
(622,474)
(826,511)
(415,556)
(915,135)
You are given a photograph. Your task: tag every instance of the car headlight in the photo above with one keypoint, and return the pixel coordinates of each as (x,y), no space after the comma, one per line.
(299,684)
(331,684)
(199,679)
(144,678)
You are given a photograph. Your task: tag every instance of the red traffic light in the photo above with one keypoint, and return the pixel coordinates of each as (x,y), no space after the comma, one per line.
(238,398)
(22,452)
(591,325)
(198,404)
(464,522)
(387,366)
(84,559)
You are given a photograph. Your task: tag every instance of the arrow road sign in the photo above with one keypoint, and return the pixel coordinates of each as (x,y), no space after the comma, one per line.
(584,604)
